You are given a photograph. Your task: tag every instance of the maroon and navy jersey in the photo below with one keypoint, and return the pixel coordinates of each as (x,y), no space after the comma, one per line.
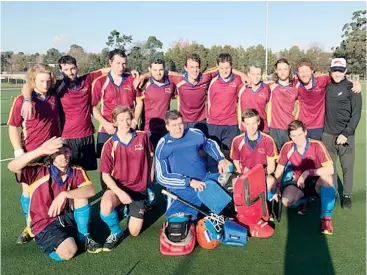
(111,94)
(311,103)
(43,124)
(192,98)
(257,100)
(76,104)
(222,100)
(44,188)
(128,163)
(281,106)
(156,103)
(314,157)
(249,157)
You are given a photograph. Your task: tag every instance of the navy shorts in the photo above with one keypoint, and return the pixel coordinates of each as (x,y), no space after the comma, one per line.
(139,205)
(310,186)
(280,137)
(83,152)
(223,134)
(58,231)
(315,133)
(101,139)
(201,125)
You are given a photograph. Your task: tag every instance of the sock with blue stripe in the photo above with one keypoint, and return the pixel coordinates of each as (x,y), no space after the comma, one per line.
(270,195)
(328,196)
(24,202)
(112,221)
(81,216)
(54,256)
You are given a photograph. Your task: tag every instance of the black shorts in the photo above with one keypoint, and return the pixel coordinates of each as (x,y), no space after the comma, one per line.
(310,186)
(139,205)
(101,139)
(280,137)
(223,134)
(201,125)
(55,233)
(83,152)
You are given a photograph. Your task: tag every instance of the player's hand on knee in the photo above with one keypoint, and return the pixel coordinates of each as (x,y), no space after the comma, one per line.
(301,180)
(27,109)
(57,204)
(51,146)
(197,185)
(109,128)
(124,197)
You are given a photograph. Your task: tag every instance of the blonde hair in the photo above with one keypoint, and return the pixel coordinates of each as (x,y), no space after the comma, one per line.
(39,69)
(119,110)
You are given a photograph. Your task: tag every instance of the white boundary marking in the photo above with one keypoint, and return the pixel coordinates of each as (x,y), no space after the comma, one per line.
(6,159)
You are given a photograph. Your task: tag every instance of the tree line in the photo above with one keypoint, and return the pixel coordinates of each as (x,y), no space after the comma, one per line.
(140,53)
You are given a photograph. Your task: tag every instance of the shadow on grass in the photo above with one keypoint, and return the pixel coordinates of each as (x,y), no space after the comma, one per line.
(307,250)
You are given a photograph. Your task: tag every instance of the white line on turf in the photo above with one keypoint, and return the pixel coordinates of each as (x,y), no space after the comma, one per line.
(6,159)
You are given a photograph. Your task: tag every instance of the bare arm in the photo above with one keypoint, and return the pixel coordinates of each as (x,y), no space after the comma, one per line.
(244,77)
(137,113)
(270,168)
(84,192)
(279,172)
(108,126)
(15,138)
(110,182)
(237,165)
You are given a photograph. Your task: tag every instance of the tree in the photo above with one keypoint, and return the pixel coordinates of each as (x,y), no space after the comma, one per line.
(293,55)
(115,41)
(153,45)
(52,56)
(353,45)
(81,57)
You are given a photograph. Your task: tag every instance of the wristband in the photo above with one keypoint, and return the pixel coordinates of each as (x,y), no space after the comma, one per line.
(26,99)
(18,153)
(312,172)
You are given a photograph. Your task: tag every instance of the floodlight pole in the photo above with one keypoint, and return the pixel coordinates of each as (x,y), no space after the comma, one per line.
(266,39)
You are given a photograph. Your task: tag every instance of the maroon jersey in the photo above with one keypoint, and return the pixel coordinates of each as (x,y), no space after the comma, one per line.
(76,104)
(311,103)
(314,157)
(44,188)
(222,100)
(257,100)
(128,163)
(43,124)
(156,103)
(110,94)
(281,106)
(249,157)
(192,98)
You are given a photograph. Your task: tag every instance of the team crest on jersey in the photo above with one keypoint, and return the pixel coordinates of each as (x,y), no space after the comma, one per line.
(127,88)
(261,150)
(139,147)
(167,90)
(262,95)
(316,89)
(232,84)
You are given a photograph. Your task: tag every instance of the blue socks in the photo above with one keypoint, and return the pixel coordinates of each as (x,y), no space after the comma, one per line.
(54,256)
(81,216)
(24,202)
(328,196)
(270,195)
(112,221)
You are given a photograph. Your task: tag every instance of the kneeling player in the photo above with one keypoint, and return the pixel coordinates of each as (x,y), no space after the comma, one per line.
(51,218)
(312,170)
(125,164)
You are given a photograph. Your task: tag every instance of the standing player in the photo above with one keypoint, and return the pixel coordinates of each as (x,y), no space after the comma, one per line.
(255,97)
(222,100)
(75,96)
(179,166)
(312,170)
(52,187)
(115,88)
(254,147)
(126,162)
(282,102)
(42,125)
(157,94)
(343,112)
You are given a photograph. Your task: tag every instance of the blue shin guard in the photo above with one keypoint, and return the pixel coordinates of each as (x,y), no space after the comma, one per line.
(81,216)
(112,221)
(24,202)
(328,196)
(54,256)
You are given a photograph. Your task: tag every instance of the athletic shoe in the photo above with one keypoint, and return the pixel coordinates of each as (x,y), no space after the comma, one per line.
(347,202)
(92,246)
(111,242)
(327,226)
(24,237)
(302,209)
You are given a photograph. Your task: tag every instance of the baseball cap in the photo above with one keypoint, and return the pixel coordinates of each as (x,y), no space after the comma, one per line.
(338,64)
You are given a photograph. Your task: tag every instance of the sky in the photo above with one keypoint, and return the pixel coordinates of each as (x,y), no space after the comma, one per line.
(32,27)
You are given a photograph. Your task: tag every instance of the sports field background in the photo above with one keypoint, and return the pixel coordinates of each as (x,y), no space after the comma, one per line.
(297,247)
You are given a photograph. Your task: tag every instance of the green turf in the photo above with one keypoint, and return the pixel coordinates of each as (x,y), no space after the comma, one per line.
(297,247)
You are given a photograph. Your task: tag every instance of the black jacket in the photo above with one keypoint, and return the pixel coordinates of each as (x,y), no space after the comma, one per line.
(343,109)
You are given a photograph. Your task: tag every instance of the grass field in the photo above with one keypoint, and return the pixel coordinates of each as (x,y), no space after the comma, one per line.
(297,247)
